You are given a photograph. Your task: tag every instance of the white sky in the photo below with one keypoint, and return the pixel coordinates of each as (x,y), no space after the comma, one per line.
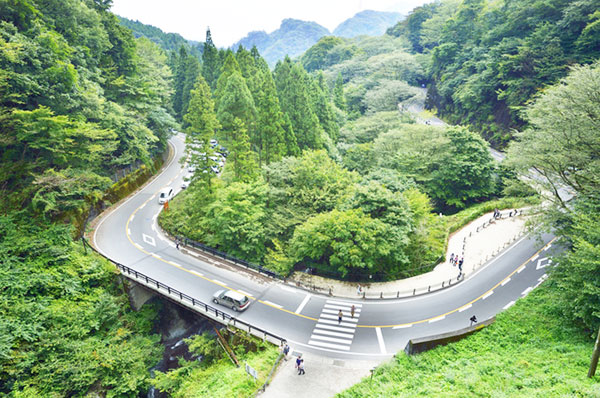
(230,20)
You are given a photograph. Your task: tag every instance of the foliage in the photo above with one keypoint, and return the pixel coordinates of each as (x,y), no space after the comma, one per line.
(562,144)
(328,51)
(530,351)
(452,164)
(215,375)
(367,128)
(489,58)
(66,328)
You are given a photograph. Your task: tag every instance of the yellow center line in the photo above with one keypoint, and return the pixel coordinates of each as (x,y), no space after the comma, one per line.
(304,316)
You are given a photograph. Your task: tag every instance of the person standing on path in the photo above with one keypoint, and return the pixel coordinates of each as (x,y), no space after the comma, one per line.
(340,315)
(452,259)
(177,244)
(285,351)
(301,367)
(352,309)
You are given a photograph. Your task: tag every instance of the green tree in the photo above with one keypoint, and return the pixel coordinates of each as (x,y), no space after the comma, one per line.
(293,91)
(347,242)
(322,106)
(211,65)
(338,93)
(202,125)
(241,156)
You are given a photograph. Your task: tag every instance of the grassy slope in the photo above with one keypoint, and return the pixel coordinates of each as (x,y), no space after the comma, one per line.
(528,352)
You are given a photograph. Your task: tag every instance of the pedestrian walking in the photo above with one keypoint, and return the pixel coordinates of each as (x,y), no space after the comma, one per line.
(298,361)
(352,309)
(452,259)
(285,351)
(340,315)
(460,263)
(177,244)
(301,367)
(473,320)
(359,290)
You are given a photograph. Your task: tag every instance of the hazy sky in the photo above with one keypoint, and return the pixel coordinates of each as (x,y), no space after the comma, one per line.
(230,20)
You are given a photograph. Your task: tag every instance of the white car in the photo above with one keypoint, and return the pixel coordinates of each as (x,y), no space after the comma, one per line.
(186,182)
(165,195)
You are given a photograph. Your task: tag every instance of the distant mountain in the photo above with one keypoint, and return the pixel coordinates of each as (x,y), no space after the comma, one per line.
(292,38)
(368,22)
(168,41)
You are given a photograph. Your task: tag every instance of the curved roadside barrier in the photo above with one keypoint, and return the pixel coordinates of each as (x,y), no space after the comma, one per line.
(195,305)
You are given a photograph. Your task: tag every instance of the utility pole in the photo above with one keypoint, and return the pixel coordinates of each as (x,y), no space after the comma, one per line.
(595,356)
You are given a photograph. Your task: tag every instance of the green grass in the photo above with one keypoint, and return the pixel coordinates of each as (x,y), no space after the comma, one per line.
(528,352)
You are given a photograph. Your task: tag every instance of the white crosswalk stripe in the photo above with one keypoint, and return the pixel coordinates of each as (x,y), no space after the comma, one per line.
(329,332)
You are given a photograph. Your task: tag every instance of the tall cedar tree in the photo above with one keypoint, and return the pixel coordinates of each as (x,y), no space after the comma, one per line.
(338,93)
(202,124)
(322,106)
(210,62)
(293,91)
(242,157)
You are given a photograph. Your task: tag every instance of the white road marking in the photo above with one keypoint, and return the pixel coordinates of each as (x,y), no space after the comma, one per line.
(329,345)
(219,282)
(132,217)
(175,264)
(196,273)
(273,304)
(439,318)
(303,303)
(403,326)
(331,339)
(488,294)
(336,334)
(156,255)
(346,303)
(344,318)
(142,206)
(138,246)
(505,281)
(521,268)
(380,340)
(535,257)
(465,308)
(128,232)
(149,240)
(154,217)
(329,321)
(508,305)
(526,291)
(335,312)
(339,307)
(542,263)
(336,328)
(548,247)
(153,227)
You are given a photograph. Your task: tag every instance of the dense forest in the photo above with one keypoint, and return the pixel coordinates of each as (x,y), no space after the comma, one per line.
(328,167)
(488,59)
(80,101)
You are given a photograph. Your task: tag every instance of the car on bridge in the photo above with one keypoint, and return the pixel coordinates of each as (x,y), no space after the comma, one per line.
(234,300)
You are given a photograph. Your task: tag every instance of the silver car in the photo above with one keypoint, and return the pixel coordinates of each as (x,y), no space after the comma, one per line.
(234,300)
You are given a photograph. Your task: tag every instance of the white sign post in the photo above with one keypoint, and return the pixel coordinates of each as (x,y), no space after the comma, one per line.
(251,372)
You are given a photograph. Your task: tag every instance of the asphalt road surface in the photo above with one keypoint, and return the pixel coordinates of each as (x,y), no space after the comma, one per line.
(129,234)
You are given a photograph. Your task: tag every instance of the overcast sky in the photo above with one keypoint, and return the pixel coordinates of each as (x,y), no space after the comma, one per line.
(230,20)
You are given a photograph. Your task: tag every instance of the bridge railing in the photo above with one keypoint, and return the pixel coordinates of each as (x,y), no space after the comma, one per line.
(190,302)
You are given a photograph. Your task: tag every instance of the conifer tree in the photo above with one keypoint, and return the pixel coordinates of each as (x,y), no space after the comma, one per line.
(322,106)
(210,61)
(242,158)
(230,66)
(202,124)
(289,138)
(338,93)
(294,98)
(270,134)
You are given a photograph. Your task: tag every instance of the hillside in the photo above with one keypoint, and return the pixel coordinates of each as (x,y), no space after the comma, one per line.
(167,41)
(368,22)
(292,38)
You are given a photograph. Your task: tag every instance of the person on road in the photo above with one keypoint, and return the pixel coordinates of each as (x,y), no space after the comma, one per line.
(340,315)
(352,309)
(473,320)
(301,367)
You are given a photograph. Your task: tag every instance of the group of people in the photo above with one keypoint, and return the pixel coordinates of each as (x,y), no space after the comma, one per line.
(454,260)
(285,350)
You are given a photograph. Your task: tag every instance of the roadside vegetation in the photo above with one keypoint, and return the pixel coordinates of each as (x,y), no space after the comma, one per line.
(212,373)
(531,350)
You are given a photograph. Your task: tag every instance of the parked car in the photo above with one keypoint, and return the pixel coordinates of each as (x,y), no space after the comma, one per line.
(234,300)
(186,182)
(165,195)
(213,143)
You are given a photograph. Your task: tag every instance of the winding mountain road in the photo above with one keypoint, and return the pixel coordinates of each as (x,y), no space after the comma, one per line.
(129,235)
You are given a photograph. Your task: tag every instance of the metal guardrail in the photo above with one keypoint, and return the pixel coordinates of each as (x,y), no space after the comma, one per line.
(188,300)
(243,263)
